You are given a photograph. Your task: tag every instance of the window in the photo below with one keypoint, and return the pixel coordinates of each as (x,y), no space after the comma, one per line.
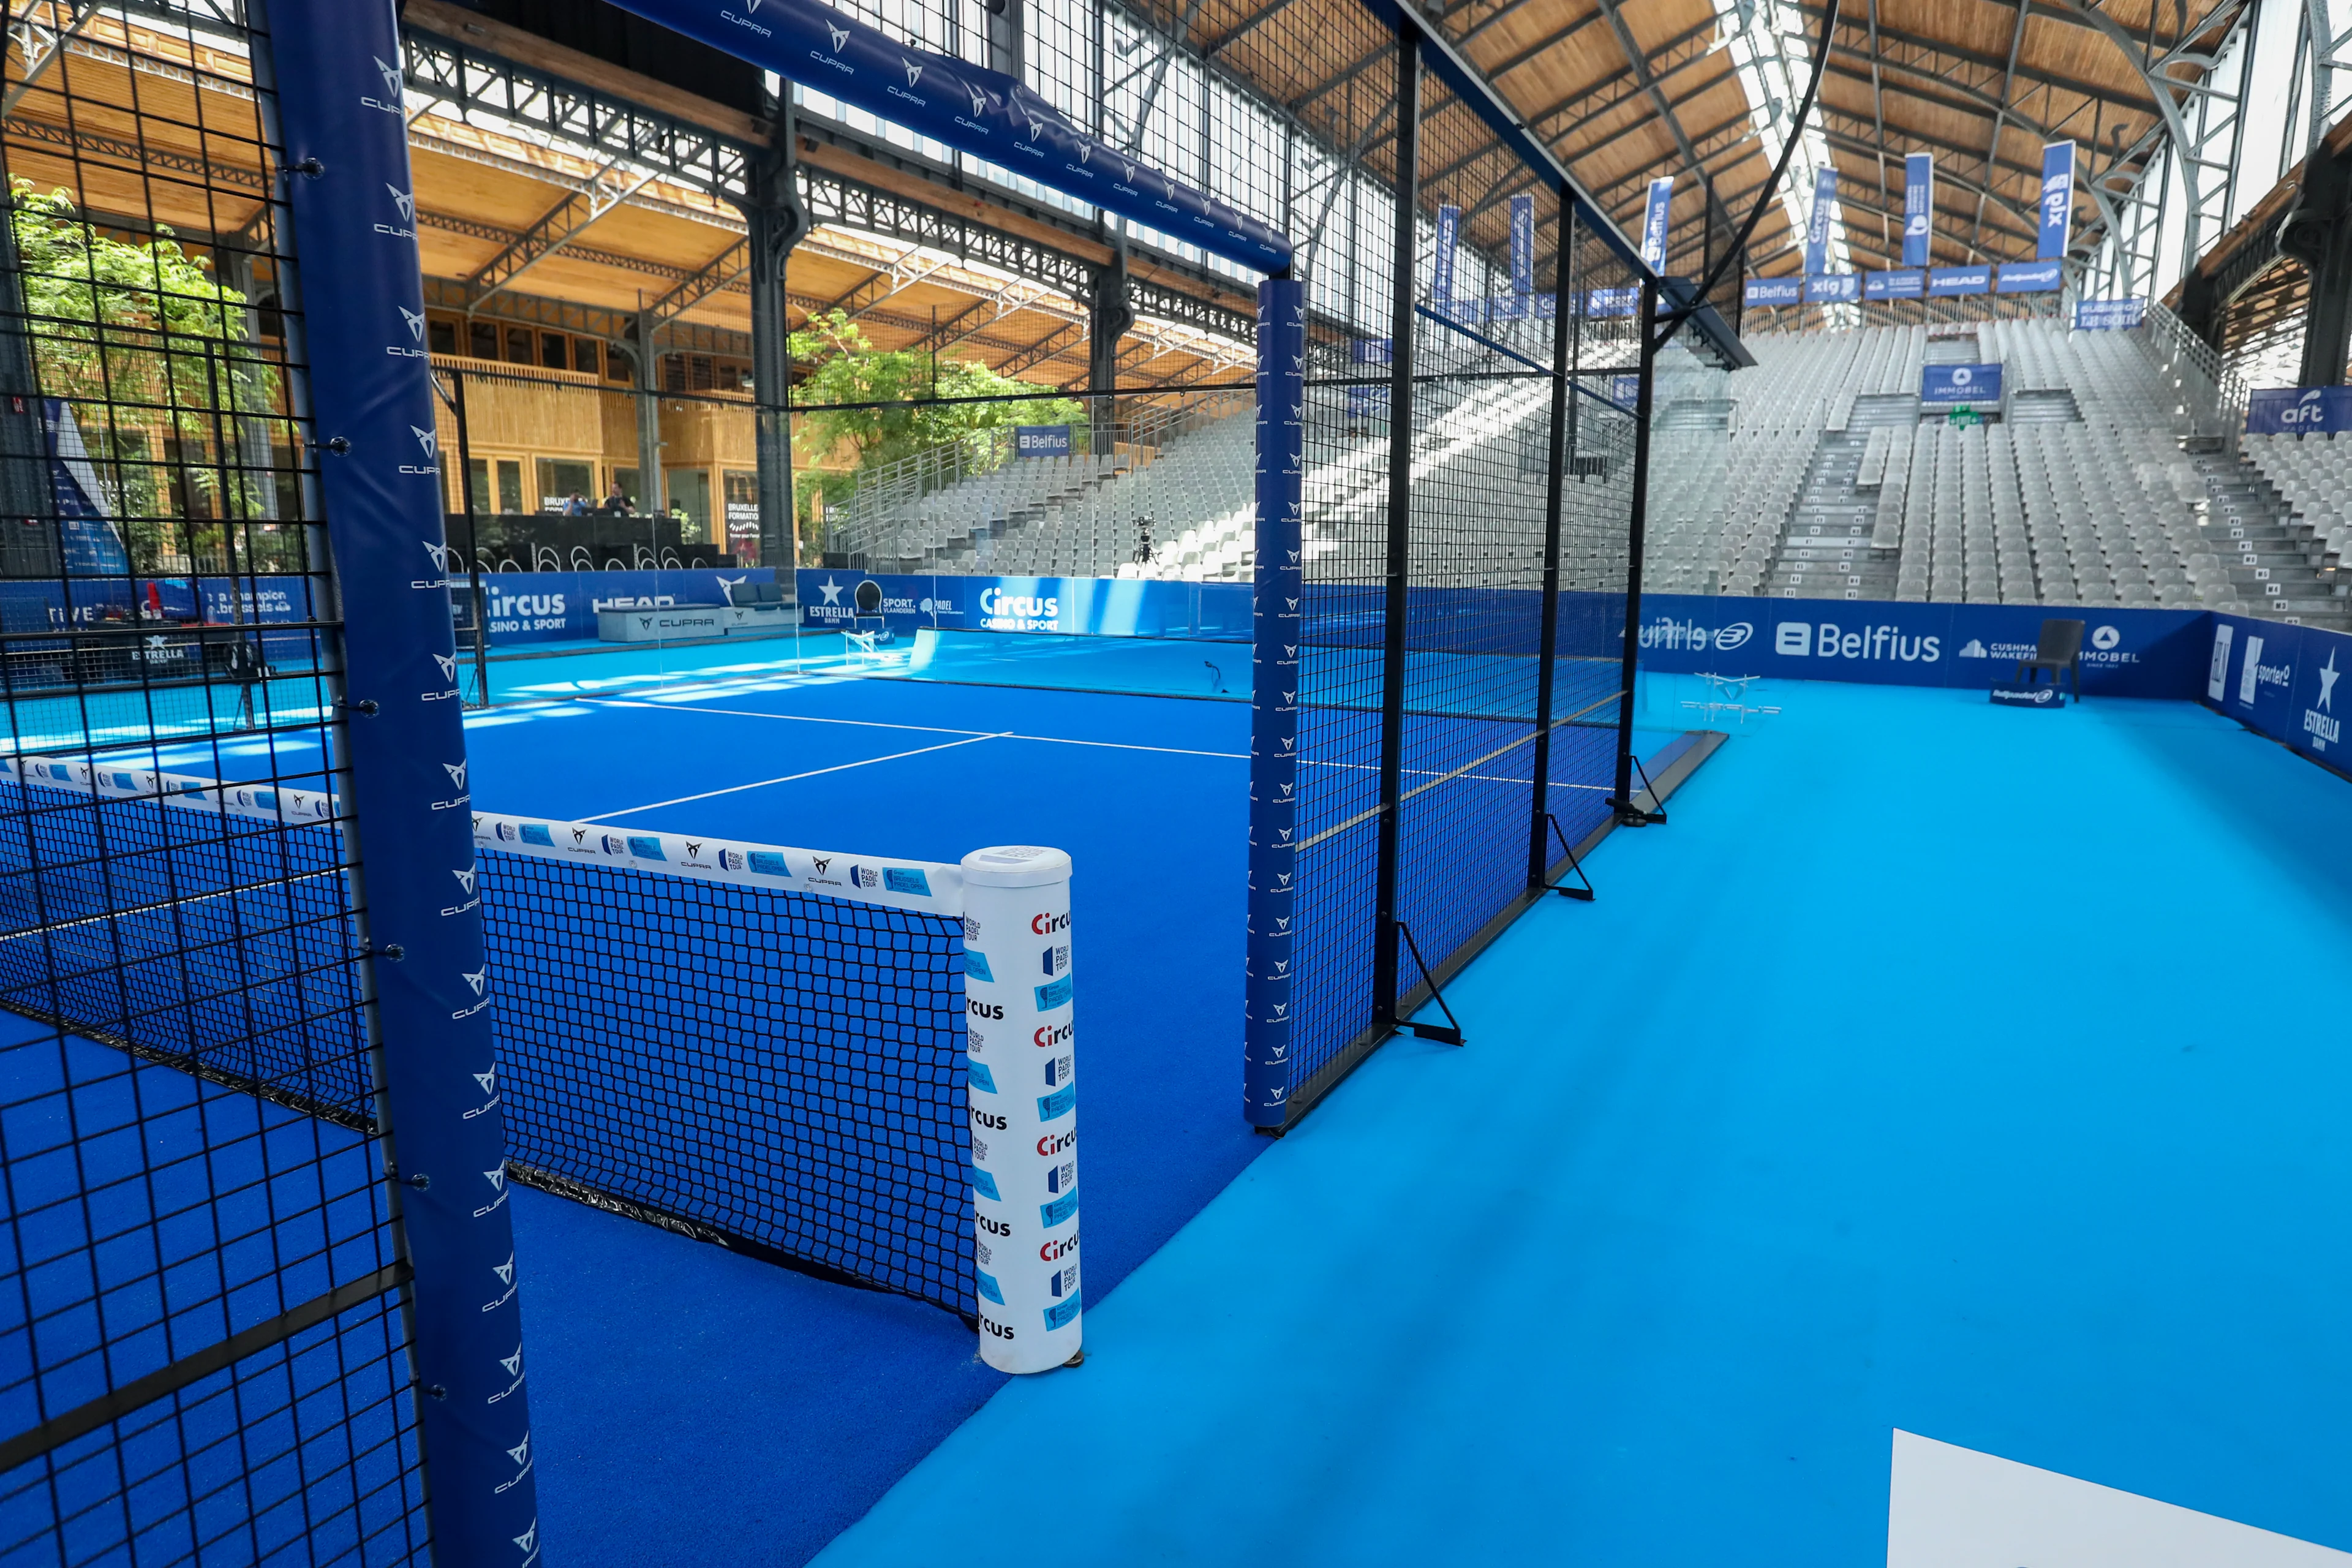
(560,480)
(441,335)
(480,469)
(484,338)
(518,346)
(617,368)
(509,484)
(583,355)
(554,350)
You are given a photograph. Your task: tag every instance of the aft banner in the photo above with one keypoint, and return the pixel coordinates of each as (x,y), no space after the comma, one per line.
(2057,198)
(2125,652)
(1918,206)
(2299,411)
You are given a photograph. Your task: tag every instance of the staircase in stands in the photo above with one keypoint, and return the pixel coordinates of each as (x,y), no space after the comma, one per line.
(1825,551)
(2277,565)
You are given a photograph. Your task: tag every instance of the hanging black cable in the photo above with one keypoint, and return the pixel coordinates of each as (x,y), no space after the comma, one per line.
(1672,321)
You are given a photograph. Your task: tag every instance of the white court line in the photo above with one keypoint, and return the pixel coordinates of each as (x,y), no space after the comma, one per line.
(788,778)
(921,729)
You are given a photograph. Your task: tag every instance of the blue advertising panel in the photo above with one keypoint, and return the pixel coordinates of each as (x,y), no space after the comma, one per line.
(969,107)
(1655,218)
(1773,292)
(347,191)
(1266,1066)
(1918,206)
(2256,663)
(2030,277)
(2322,661)
(1833,287)
(558,606)
(1041,440)
(1902,283)
(2057,198)
(1602,302)
(835,600)
(1945,282)
(2299,410)
(2125,652)
(88,544)
(1816,225)
(1972,383)
(1449,241)
(2109,315)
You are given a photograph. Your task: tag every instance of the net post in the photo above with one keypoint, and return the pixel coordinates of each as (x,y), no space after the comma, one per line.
(1024,1113)
(345,180)
(1274,702)
(1628,815)
(1547,631)
(1399,562)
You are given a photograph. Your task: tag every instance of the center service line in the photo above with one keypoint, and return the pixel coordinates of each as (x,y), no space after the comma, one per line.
(788,778)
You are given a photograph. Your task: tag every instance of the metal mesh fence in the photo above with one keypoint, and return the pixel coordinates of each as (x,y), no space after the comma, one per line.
(202,1352)
(1466,527)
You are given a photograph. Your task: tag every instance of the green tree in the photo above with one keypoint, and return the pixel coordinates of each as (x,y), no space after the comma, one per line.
(847,368)
(149,343)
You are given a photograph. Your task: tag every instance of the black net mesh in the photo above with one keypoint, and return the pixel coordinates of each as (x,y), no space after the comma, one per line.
(780,1071)
(202,1351)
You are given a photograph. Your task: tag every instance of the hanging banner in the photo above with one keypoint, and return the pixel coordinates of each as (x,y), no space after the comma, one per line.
(2057,198)
(1449,239)
(2029,277)
(1833,289)
(971,108)
(1918,206)
(2109,315)
(1774,291)
(2299,411)
(1654,224)
(1523,256)
(1904,283)
(89,546)
(1945,282)
(1975,385)
(1817,232)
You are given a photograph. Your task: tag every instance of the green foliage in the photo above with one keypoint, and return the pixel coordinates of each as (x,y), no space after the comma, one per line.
(149,347)
(850,369)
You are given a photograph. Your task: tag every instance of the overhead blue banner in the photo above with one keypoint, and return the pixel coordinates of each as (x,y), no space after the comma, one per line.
(2057,198)
(2109,315)
(1833,287)
(2030,277)
(2125,652)
(2299,410)
(1449,240)
(1918,206)
(1817,229)
(1945,282)
(1523,257)
(1773,292)
(357,292)
(969,108)
(1654,219)
(1976,384)
(1904,283)
(1601,302)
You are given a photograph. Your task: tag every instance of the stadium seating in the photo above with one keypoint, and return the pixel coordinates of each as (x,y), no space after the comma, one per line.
(1814,474)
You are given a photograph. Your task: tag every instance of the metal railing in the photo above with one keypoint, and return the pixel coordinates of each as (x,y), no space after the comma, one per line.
(2211,398)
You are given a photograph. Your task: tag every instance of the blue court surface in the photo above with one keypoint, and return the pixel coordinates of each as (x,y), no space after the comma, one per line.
(1944,1068)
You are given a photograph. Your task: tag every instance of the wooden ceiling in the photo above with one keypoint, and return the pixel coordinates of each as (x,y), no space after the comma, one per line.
(145,126)
(1624,90)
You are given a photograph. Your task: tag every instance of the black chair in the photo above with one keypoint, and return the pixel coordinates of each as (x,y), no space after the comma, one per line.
(2059,648)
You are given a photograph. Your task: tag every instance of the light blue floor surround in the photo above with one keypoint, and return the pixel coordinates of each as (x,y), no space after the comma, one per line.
(1982,1073)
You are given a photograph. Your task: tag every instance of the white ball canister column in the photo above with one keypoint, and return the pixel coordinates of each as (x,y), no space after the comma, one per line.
(1025,1110)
